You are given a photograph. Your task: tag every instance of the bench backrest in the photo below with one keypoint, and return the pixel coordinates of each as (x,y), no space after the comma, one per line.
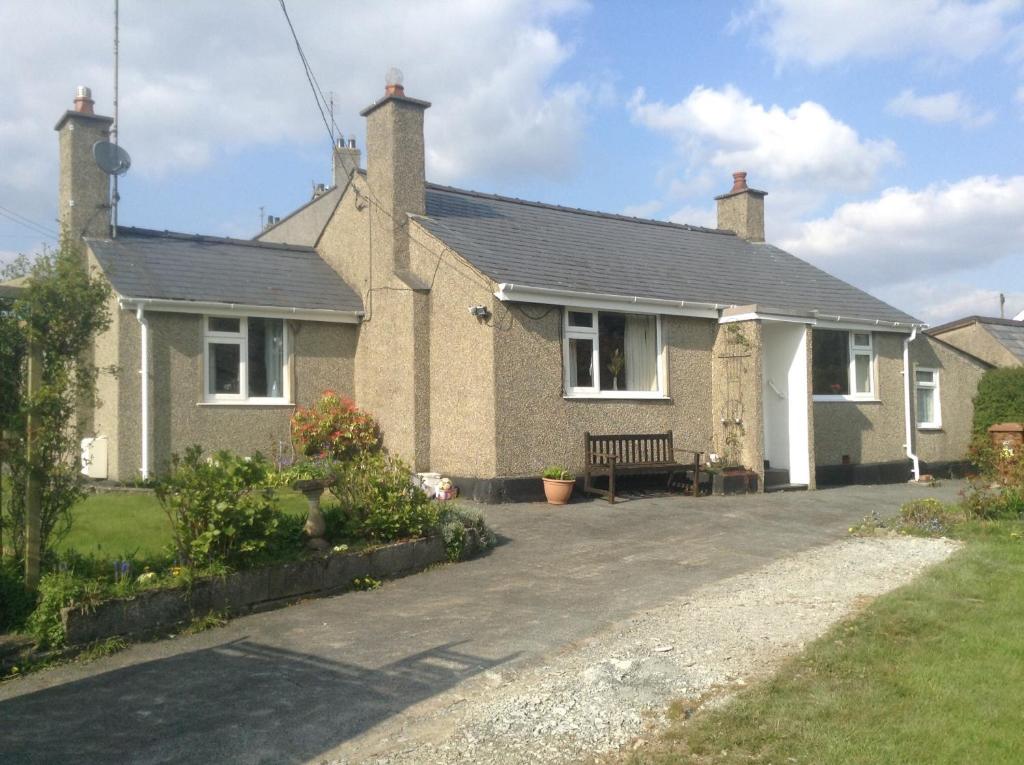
(629,449)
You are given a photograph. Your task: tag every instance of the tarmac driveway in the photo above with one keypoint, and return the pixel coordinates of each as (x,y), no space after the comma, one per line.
(301,683)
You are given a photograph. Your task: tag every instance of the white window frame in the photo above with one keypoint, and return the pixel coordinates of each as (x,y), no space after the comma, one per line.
(241,339)
(935,386)
(854,351)
(570,332)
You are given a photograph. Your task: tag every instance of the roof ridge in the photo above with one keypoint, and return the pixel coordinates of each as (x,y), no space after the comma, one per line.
(964,320)
(165,234)
(580,210)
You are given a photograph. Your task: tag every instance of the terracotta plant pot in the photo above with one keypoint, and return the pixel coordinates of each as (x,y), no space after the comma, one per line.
(557,490)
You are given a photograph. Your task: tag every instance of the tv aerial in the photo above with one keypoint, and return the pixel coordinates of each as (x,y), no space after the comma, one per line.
(111,158)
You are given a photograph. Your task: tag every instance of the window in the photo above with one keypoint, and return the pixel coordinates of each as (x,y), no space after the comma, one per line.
(245,360)
(842,365)
(612,354)
(926,394)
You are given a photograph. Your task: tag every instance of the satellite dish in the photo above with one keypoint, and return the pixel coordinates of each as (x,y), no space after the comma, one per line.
(111,158)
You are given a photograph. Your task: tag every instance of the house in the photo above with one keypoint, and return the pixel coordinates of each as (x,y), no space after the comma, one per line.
(487,334)
(1000,342)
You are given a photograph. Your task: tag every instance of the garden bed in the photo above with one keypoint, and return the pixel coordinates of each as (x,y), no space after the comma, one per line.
(153,611)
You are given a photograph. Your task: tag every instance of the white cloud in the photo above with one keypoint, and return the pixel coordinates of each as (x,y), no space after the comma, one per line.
(802,148)
(906,236)
(941,107)
(821,32)
(646,209)
(937,301)
(201,79)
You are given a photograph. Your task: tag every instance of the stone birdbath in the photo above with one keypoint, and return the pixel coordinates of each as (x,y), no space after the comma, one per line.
(313,489)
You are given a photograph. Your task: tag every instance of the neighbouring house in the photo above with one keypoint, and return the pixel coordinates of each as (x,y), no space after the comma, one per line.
(1000,342)
(488,334)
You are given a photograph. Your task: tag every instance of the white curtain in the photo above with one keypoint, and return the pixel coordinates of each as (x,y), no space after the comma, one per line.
(641,353)
(273,357)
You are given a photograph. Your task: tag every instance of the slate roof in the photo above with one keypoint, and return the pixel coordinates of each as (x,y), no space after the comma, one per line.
(1009,332)
(540,245)
(142,263)
(1011,336)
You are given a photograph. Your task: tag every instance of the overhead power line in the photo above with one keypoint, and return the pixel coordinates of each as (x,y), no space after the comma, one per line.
(318,94)
(31,225)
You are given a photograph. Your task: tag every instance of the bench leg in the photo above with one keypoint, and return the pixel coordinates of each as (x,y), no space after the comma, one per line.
(611,484)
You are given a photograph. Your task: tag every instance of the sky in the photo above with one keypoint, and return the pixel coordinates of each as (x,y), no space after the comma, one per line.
(887,134)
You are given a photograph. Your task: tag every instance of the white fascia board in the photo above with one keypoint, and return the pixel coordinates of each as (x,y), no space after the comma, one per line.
(871,325)
(239,309)
(876,325)
(596,301)
(751,316)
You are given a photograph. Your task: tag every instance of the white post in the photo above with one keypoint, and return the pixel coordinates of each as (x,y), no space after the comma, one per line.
(144,371)
(906,403)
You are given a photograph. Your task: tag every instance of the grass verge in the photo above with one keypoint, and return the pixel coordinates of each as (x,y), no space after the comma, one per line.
(126,525)
(933,672)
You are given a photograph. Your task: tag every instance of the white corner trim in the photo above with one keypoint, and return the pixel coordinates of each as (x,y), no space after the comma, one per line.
(239,309)
(607,302)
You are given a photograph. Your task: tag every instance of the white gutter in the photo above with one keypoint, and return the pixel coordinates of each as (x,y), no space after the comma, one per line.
(906,403)
(550,296)
(144,371)
(243,309)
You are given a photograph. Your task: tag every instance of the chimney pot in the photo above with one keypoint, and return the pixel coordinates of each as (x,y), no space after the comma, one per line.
(83,100)
(739,182)
(393,80)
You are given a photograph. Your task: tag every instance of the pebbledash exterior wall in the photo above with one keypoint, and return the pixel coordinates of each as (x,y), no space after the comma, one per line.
(959,375)
(866,431)
(537,426)
(321,358)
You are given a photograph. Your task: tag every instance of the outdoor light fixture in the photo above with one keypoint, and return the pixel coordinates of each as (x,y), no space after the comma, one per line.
(480,312)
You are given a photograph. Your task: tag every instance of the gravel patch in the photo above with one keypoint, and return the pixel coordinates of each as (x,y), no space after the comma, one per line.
(600,695)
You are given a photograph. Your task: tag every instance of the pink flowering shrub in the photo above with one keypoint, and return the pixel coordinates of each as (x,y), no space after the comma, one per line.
(334,428)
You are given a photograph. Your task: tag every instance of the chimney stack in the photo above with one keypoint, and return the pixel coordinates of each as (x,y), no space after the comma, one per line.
(395,159)
(83,189)
(741,210)
(346,160)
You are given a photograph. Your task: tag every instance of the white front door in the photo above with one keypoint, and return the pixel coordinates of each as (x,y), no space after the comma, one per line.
(784,396)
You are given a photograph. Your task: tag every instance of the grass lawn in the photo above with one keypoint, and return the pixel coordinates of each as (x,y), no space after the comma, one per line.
(931,673)
(115,524)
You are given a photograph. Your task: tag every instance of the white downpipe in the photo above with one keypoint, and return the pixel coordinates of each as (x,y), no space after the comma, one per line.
(140,314)
(906,402)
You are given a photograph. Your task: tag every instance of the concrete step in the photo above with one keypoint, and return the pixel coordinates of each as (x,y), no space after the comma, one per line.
(775,477)
(768,489)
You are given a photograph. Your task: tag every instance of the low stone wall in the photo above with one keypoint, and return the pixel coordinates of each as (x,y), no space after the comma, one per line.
(258,589)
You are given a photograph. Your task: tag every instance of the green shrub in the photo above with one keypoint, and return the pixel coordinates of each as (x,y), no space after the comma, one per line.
(453,523)
(1000,398)
(15,601)
(377,496)
(983,500)
(334,428)
(57,590)
(928,516)
(221,509)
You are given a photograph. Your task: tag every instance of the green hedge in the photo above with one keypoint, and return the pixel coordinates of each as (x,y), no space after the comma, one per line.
(1000,398)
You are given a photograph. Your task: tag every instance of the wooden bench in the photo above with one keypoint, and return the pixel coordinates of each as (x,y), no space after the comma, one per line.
(616,455)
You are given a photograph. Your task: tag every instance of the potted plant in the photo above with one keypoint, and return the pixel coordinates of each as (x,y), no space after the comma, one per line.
(558,484)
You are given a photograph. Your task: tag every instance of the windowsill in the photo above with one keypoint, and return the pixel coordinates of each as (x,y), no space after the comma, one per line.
(849,399)
(932,428)
(619,395)
(247,403)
